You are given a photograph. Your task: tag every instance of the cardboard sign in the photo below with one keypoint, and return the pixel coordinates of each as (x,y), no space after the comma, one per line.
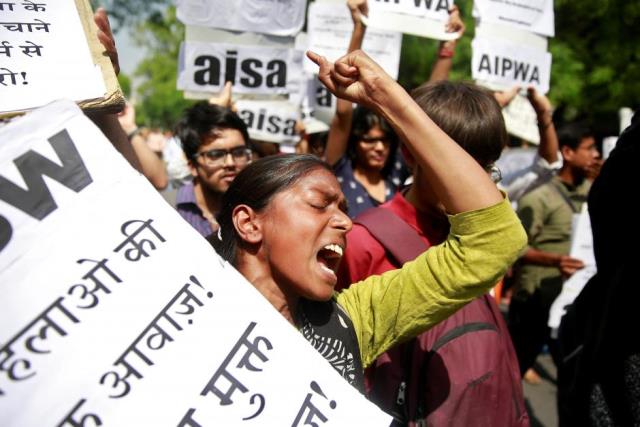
(329,31)
(115,311)
(498,61)
(44,55)
(531,15)
(277,17)
(251,69)
(271,121)
(425,18)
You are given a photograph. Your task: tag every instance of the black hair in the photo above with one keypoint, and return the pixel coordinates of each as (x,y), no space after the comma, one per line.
(363,120)
(469,114)
(572,134)
(255,186)
(200,120)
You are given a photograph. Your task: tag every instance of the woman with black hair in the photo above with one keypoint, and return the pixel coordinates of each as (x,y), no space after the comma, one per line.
(283,226)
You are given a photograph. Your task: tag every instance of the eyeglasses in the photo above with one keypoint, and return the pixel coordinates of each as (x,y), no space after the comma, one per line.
(494,173)
(371,140)
(240,154)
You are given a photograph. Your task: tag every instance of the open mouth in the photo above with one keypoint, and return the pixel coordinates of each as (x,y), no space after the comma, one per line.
(329,258)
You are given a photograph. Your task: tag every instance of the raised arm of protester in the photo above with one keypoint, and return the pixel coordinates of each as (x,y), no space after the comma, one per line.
(341,123)
(153,168)
(356,78)
(447,48)
(108,123)
(548,147)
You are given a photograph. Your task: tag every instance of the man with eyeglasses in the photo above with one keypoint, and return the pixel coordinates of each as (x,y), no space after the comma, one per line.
(215,142)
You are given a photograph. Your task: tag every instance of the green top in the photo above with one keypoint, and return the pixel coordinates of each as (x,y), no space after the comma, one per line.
(400,304)
(546,214)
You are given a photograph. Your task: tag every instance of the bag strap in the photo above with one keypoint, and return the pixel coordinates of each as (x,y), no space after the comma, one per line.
(398,238)
(404,244)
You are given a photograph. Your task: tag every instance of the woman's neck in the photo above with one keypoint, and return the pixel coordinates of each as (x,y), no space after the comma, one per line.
(264,282)
(372,181)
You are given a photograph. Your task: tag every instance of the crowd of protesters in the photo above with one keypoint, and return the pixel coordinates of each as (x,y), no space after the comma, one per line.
(421,336)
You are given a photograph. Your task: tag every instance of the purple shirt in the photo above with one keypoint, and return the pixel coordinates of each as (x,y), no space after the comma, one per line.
(188,208)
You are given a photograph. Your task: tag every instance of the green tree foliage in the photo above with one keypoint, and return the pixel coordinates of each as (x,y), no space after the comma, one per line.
(159,104)
(595,66)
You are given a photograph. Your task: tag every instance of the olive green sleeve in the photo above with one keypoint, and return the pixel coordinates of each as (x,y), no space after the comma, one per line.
(400,304)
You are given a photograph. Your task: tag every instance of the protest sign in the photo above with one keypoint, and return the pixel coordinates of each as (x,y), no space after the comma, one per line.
(114,311)
(425,18)
(44,55)
(277,17)
(521,119)
(329,31)
(271,121)
(531,15)
(499,61)
(582,249)
(205,67)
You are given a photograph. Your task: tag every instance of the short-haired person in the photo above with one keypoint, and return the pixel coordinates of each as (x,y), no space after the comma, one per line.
(438,388)
(284,226)
(546,214)
(215,142)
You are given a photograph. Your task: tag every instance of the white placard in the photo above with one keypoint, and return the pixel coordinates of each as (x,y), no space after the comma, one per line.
(424,18)
(271,121)
(532,15)
(277,17)
(114,310)
(582,249)
(329,31)
(521,119)
(434,9)
(508,64)
(44,55)
(251,69)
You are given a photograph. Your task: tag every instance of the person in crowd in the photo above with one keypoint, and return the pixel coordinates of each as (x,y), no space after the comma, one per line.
(361,145)
(599,368)
(433,378)
(283,225)
(215,142)
(546,214)
(547,161)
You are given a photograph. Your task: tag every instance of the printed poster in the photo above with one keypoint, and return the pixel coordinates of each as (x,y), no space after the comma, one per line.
(116,312)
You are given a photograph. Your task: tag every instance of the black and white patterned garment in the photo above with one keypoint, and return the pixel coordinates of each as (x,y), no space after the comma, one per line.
(330,331)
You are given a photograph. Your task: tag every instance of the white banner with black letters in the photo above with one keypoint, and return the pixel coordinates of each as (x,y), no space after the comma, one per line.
(271,121)
(205,67)
(277,17)
(498,61)
(116,312)
(531,15)
(425,18)
(329,31)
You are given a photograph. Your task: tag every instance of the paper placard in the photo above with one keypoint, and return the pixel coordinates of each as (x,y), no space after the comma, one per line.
(521,119)
(277,17)
(271,121)
(531,15)
(45,56)
(251,69)
(582,249)
(508,64)
(106,319)
(435,9)
(329,31)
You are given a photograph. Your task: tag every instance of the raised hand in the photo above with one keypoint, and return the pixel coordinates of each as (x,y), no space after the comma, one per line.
(357,9)
(506,96)
(105,36)
(354,77)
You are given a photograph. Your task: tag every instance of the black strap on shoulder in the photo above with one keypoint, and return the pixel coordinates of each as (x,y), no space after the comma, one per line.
(397,237)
